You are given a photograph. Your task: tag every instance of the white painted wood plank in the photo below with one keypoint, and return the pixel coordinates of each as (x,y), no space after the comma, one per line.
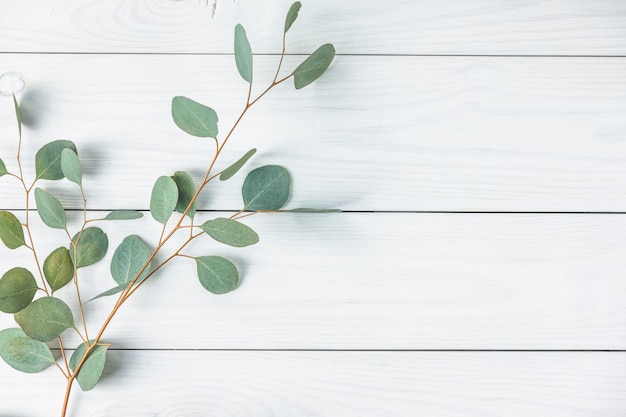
(379,281)
(376,133)
(366,384)
(507,27)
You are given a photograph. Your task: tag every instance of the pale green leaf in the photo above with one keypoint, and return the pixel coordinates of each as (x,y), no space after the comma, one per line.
(18,115)
(17,290)
(164,199)
(128,260)
(70,165)
(266,188)
(3,168)
(292,15)
(234,168)
(50,209)
(92,368)
(23,353)
(186,191)
(243,54)
(11,230)
(45,319)
(115,290)
(123,215)
(216,274)
(314,66)
(194,118)
(48,159)
(90,246)
(58,268)
(230,232)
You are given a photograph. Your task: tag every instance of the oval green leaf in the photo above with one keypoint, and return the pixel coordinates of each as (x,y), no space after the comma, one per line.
(243,54)
(194,118)
(50,209)
(11,230)
(17,290)
(92,368)
(70,165)
(23,353)
(3,168)
(48,159)
(314,66)
(186,191)
(58,268)
(164,199)
(216,274)
(123,215)
(230,232)
(234,168)
(292,15)
(45,319)
(128,259)
(89,247)
(266,188)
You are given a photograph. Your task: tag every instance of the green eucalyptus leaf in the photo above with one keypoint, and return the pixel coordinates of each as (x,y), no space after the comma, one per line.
(45,319)
(234,168)
(128,259)
(70,165)
(266,188)
(292,15)
(194,118)
(164,199)
(58,268)
(3,168)
(23,353)
(11,230)
(17,290)
(230,232)
(48,159)
(90,246)
(243,54)
(314,66)
(115,290)
(92,368)
(186,191)
(123,215)
(50,209)
(18,115)
(216,274)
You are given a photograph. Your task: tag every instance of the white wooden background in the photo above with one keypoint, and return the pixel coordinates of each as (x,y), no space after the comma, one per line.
(477,148)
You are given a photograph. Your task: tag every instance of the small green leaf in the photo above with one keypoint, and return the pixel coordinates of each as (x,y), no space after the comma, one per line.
(266,188)
(292,15)
(11,231)
(70,165)
(194,118)
(48,159)
(164,199)
(90,246)
(50,209)
(92,368)
(123,215)
(58,268)
(232,170)
(243,54)
(216,274)
(18,115)
(115,290)
(23,353)
(230,232)
(186,191)
(314,66)
(17,290)
(3,168)
(45,319)
(128,259)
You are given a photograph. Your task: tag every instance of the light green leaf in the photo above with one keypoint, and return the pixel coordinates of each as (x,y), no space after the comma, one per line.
(92,368)
(23,353)
(164,199)
(11,231)
(123,215)
(194,118)
(243,54)
(58,268)
(266,188)
(115,290)
(186,191)
(70,165)
(128,259)
(18,115)
(48,159)
(45,319)
(17,290)
(232,170)
(230,232)
(292,15)
(314,66)
(90,248)
(3,168)
(216,274)
(50,209)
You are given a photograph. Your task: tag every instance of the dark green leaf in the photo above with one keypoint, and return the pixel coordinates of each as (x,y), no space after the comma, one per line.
(232,170)
(92,368)
(230,232)
(243,54)
(23,353)
(90,247)
(194,118)
(186,191)
(70,165)
(58,268)
(128,259)
(18,115)
(3,168)
(45,319)
(11,231)
(216,274)
(123,215)
(266,188)
(50,209)
(164,199)
(48,159)
(17,290)
(314,66)
(292,15)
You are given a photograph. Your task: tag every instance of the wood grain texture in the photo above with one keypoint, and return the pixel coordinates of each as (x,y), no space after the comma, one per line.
(477,27)
(406,133)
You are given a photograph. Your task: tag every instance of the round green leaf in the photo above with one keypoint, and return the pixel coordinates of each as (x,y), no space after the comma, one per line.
(314,66)
(70,165)
(243,54)
(123,215)
(230,232)
(23,353)
(91,371)
(50,209)
(17,290)
(292,15)
(186,191)
(11,231)
(90,248)
(48,159)
(45,319)
(3,168)
(58,268)
(216,274)
(232,170)
(266,188)
(128,259)
(164,199)
(194,118)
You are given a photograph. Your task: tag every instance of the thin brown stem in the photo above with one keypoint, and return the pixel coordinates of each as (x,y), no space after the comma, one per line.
(63,355)
(66,399)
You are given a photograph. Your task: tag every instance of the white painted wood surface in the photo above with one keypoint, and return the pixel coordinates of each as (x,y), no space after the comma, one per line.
(383,310)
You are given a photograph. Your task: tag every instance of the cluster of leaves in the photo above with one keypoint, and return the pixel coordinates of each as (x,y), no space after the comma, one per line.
(43,317)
